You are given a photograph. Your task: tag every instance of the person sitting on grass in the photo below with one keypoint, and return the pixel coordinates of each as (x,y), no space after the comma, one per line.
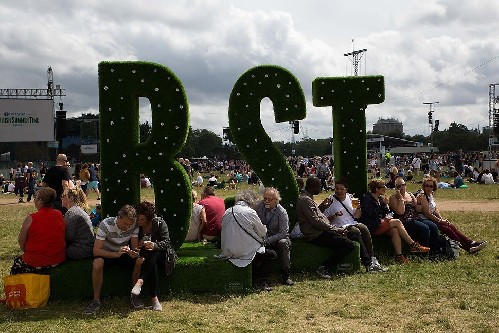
(317,230)
(427,207)
(375,215)
(96,215)
(154,241)
(339,210)
(403,204)
(79,230)
(116,242)
(458,180)
(41,237)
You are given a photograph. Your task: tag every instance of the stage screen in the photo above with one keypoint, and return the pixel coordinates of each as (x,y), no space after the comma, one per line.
(26,120)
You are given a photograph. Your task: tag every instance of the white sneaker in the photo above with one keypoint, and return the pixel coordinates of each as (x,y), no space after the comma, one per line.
(478,247)
(379,268)
(376,268)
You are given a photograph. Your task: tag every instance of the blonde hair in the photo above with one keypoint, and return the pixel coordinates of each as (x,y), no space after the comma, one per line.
(430,179)
(399,181)
(77,196)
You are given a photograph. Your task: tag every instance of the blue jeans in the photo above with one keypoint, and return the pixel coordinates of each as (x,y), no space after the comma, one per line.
(425,232)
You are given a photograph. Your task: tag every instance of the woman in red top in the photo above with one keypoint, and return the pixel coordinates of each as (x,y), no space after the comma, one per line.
(41,237)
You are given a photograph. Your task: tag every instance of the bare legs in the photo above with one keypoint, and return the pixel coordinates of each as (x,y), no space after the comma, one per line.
(397,232)
(97,277)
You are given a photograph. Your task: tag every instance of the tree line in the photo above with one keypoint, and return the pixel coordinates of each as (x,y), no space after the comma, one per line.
(202,142)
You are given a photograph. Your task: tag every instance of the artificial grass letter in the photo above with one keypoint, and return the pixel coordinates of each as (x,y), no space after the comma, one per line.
(286,94)
(349,97)
(124,158)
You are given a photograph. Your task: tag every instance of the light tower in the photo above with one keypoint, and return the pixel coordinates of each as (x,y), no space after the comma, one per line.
(493,115)
(430,120)
(355,57)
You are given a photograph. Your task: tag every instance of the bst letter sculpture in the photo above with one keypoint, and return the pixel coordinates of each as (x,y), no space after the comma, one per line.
(124,158)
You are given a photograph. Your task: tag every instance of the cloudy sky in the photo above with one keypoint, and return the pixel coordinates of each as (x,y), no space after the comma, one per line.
(432,50)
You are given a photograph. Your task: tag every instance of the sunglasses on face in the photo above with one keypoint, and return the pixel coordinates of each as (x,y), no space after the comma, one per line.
(428,185)
(400,185)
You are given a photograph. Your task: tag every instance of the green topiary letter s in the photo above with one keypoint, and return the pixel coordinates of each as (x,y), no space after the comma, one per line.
(286,94)
(349,97)
(123,158)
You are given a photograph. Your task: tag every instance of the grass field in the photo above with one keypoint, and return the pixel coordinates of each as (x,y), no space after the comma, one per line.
(453,296)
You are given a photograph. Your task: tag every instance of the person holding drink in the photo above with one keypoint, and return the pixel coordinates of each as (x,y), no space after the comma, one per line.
(154,240)
(375,215)
(342,210)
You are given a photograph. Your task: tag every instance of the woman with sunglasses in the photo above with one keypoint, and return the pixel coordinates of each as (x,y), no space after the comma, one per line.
(375,215)
(403,205)
(427,207)
(79,230)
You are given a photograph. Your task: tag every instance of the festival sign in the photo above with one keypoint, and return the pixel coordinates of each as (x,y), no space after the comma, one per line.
(26,120)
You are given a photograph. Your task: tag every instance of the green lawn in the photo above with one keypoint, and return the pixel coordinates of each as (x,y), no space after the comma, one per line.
(454,296)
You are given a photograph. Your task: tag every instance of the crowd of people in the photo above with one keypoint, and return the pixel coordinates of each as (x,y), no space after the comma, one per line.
(256,230)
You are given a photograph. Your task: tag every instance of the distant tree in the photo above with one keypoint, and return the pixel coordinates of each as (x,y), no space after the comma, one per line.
(202,142)
(145,131)
(458,136)
(417,138)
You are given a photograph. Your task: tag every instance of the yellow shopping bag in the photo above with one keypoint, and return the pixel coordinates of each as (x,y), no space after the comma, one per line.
(28,290)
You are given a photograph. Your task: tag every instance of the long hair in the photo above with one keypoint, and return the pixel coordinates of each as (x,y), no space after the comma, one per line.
(78,197)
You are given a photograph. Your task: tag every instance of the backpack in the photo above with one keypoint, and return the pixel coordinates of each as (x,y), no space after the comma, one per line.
(449,247)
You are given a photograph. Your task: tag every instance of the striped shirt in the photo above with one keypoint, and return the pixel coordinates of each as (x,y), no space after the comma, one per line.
(114,238)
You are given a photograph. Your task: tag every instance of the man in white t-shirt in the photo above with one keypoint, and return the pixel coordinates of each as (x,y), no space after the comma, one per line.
(341,214)
(416,164)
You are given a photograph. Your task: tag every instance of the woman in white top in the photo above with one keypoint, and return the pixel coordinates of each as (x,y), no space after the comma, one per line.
(427,207)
